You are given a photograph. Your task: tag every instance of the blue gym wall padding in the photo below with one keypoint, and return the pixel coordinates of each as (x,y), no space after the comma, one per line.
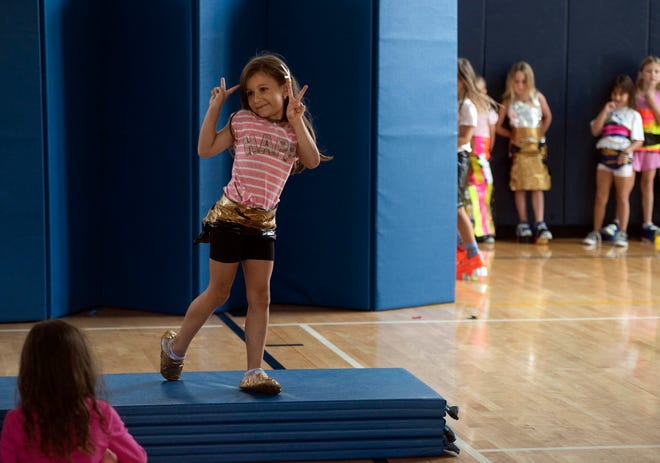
(374,220)
(324,253)
(74,106)
(98,211)
(148,154)
(23,277)
(415,184)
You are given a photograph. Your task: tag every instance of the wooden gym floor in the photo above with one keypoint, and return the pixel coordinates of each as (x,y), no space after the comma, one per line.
(553,359)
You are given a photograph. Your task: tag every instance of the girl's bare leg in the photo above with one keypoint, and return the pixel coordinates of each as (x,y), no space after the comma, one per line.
(257,286)
(538,205)
(646,187)
(520,197)
(603,186)
(221,278)
(623,186)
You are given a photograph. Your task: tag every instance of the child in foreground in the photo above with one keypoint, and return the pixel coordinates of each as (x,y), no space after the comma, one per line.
(59,418)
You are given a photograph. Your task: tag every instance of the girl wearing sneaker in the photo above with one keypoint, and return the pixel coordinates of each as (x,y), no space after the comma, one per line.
(620,130)
(59,417)
(529,118)
(270,138)
(646,160)
(469,264)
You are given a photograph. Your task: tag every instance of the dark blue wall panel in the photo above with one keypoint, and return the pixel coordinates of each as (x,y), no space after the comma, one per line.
(325,218)
(23,282)
(148,151)
(595,56)
(415,204)
(74,95)
(575,48)
(534,32)
(651,24)
(472,32)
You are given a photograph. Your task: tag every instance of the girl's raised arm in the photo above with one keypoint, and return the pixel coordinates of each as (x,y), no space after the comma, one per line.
(308,152)
(211,142)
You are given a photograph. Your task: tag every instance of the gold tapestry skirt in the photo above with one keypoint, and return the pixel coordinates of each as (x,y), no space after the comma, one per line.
(529,168)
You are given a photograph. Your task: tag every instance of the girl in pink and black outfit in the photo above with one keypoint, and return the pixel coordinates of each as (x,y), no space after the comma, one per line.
(271,137)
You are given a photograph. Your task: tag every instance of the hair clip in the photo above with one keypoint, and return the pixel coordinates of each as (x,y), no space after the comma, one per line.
(287,74)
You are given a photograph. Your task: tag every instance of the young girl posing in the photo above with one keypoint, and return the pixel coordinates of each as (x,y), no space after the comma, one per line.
(619,127)
(270,137)
(469,264)
(646,159)
(480,177)
(529,117)
(59,418)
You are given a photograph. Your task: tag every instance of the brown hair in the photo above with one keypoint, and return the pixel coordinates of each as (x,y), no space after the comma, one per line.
(57,384)
(625,84)
(274,66)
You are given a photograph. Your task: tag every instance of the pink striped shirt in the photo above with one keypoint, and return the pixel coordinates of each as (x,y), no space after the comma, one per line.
(265,151)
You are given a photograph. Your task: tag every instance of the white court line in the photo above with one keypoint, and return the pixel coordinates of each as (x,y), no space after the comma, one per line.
(460,443)
(464,446)
(485,320)
(578,447)
(351,361)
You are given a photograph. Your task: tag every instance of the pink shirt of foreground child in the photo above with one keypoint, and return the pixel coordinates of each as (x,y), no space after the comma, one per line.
(116,438)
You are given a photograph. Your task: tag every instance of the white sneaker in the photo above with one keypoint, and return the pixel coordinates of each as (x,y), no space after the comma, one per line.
(592,238)
(621,239)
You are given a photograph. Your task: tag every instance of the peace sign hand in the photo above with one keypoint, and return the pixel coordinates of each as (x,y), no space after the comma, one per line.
(295,109)
(221,93)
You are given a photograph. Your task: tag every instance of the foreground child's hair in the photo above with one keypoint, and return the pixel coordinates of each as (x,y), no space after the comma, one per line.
(57,385)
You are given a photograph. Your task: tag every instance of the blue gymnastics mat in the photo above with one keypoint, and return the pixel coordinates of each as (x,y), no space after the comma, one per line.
(323,414)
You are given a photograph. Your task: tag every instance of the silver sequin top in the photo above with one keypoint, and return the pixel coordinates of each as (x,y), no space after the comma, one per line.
(525,114)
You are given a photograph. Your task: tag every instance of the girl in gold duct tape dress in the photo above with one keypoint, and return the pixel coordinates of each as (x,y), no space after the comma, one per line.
(271,137)
(529,119)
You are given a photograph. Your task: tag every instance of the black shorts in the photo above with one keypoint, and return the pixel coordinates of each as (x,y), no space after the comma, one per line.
(463,167)
(231,246)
